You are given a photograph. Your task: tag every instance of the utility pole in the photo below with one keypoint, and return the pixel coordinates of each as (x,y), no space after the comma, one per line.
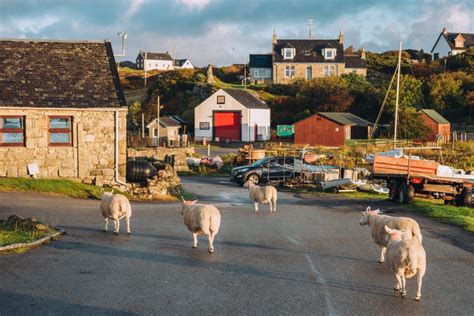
(310,27)
(158,121)
(398,93)
(143,125)
(144,66)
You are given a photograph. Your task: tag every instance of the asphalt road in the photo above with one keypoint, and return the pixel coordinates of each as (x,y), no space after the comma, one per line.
(311,257)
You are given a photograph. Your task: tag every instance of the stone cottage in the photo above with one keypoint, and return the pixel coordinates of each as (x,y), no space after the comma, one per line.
(62,111)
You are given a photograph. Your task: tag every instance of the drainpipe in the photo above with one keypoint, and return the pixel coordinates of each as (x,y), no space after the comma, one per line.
(117,150)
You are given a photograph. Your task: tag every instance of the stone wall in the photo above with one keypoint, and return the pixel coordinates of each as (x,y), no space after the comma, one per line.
(91,158)
(300,71)
(180,155)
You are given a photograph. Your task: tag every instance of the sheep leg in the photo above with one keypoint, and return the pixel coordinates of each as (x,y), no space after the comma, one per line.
(274,205)
(106,227)
(383,250)
(402,278)
(399,282)
(195,240)
(116,226)
(127,221)
(256,206)
(419,279)
(270,205)
(210,238)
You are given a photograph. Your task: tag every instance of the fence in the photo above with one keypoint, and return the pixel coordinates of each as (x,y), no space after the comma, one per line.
(136,141)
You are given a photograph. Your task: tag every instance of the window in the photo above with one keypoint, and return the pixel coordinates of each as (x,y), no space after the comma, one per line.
(204,125)
(459,43)
(60,131)
(309,72)
(306,52)
(12,131)
(328,70)
(221,99)
(288,53)
(329,53)
(289,71)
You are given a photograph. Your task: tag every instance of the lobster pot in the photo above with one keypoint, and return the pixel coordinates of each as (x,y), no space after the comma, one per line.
(139,171)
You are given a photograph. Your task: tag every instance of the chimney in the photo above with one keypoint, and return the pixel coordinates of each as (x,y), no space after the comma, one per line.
(362,53)
(274,37)
(445,31)
(341,37)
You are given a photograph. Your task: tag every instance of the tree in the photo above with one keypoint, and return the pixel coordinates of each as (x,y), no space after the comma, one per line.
(446,93)
(410,96)
(410,125)
(327,94)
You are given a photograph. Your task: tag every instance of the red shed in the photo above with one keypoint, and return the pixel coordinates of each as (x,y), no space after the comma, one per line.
(330,129)
(437,125)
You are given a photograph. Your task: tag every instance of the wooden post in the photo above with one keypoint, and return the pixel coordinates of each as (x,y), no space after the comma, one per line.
(158,122)
(143,125)
(209,150)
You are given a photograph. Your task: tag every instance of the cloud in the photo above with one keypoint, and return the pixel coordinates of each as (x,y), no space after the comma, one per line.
(195,4)
(35,25)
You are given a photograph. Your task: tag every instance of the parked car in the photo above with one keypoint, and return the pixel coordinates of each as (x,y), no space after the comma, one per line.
(275,169)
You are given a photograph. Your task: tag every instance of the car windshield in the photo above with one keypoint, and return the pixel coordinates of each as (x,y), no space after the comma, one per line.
(259,162)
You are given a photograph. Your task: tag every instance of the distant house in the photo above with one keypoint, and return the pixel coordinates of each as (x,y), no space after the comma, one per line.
(260,68)
(438,126)
(312,58)
(168,129)
(233,115)
(450,44)
(183,64)
(63,120)
(128,64)
(330,129)
(150,61)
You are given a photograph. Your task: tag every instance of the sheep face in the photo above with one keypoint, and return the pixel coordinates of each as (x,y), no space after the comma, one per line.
(364,219)
(186,203)
(105,195)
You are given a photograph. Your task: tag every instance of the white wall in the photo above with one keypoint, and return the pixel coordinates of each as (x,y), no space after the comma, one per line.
(261,117)
(203,113)
(187,65)
(151,64)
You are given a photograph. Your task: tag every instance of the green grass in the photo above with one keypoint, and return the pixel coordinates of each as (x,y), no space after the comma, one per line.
(56,186)
(10,236)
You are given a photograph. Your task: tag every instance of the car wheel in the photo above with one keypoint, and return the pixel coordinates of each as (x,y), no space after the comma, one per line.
(254,178)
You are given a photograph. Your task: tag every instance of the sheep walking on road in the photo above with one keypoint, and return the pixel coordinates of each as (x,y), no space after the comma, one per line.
(116,207)
(201,219)
(377,221)
(266,194)
(407,258)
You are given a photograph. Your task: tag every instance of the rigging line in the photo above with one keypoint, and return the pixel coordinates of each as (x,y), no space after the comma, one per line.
(383,103)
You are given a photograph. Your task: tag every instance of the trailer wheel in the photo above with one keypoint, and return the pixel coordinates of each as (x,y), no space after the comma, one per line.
(392,190)
(335,190)
(406,193)
(465,198)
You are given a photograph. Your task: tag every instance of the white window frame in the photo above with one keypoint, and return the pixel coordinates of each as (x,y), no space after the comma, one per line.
(291,52)
(289,71)
(326,52)
(328,70)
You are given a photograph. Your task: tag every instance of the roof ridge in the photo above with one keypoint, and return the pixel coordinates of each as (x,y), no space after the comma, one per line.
(52,40)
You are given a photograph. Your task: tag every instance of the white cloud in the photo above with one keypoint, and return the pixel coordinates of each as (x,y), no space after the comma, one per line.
(195,4)
(134,7)
(460,18)
(34,25)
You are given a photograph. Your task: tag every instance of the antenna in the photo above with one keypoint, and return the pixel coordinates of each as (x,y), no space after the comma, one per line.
(310,27)
(124,37)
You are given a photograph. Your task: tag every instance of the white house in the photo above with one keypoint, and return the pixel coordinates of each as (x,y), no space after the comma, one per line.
(234,115)
(150,61)
(169,129)
(450,44)
(183,64)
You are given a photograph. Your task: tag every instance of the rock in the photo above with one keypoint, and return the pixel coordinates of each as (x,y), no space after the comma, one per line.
(99,181)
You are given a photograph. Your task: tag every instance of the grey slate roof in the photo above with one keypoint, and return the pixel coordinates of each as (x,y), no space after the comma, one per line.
(450,37)
(354,61)
(155,56)
(313,46)
(58,74)
(246,99)
(179,62)
(260,61)
(435,116)
(345,118)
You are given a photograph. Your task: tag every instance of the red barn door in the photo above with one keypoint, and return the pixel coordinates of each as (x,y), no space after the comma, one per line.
(227,125)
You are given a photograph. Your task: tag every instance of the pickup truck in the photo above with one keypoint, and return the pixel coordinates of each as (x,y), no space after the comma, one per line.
(274,169)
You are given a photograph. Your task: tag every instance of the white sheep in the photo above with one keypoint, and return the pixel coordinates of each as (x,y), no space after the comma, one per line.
(265,194)
(201,219)
(115,207)
(377,221)
(407,258)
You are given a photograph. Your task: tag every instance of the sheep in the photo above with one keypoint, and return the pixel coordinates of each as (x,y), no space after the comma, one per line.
(201,219)
(407,258)
(115,207)
(266,194)
(376,221)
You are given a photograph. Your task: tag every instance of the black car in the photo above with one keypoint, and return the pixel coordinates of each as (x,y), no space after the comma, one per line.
(266,169)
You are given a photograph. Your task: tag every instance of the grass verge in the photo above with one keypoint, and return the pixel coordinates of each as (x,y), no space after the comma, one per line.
(10,236)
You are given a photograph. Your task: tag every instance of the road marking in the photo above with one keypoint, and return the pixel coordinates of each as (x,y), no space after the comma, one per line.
(292,240)
(321,280)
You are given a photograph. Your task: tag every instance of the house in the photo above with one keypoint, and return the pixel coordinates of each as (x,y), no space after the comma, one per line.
(330,129)
(260,68)
(312,58)
(438,126)
(64,120)
(450,44)
(150,61)
(233,115)
(183,64)
(168,131)
(128,64)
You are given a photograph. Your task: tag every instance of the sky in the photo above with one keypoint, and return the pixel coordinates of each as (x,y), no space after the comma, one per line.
(223,32)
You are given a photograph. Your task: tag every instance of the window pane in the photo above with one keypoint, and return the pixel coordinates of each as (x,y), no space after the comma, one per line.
(59,122)
(13,138)
(58,138)
(11,122)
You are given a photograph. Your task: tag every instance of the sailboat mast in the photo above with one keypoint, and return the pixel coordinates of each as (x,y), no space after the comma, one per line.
(398,92)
